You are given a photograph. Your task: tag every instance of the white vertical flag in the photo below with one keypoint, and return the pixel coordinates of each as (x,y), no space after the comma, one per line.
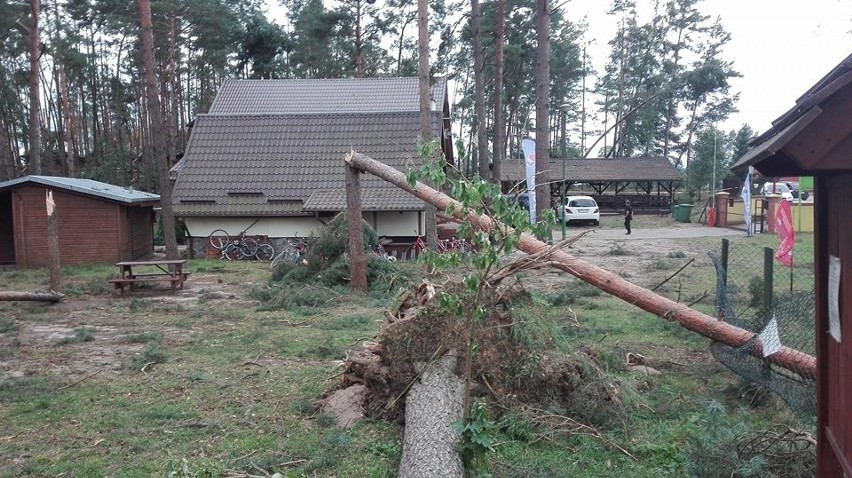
(528,146)
(746,195)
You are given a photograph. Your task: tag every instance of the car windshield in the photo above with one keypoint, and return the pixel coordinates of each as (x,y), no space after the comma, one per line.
(779,188)
(582,203)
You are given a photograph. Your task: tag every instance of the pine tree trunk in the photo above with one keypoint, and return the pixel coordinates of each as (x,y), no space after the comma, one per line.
(431,407)
(34,164)
(11,296)
(613,284)
(359,42)
(156,128)
(357,256)
(426,109)
(53,252)
(499,123)
(542,103)
(479,92)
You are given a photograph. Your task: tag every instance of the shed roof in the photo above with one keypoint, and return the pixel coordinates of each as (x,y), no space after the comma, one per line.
(286,164)
(600,170)
(88,187)
(804,135)
(317,96)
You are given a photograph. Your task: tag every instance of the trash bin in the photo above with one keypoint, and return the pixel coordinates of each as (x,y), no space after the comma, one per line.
(682,213)
(675,207)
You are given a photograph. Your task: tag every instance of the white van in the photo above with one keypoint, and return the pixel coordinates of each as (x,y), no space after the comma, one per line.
(778,188)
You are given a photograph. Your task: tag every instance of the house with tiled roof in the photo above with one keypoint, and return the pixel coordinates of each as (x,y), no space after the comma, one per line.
(268,156)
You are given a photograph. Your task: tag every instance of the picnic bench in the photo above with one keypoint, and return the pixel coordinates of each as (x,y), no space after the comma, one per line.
(150,271)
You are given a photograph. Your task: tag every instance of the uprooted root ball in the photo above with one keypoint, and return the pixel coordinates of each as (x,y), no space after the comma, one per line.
(504,366)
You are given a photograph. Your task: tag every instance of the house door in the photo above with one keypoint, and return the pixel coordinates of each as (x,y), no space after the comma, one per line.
(7,236)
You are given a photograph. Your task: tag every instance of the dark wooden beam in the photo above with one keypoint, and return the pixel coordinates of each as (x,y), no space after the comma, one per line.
(824,133)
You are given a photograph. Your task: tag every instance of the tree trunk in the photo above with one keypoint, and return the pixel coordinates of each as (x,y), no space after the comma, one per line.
(359,41)
(431,407)
(542,103)
(34,164)
(499,123)
(9,296)
(357,257)
(479,92)
(167,217)
(53,252)
(613,284)
(426,109)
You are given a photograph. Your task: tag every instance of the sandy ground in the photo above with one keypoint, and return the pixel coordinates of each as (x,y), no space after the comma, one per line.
(636,257)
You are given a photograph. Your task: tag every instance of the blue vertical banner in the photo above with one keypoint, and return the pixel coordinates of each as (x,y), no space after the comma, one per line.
(746,195)
(528,146)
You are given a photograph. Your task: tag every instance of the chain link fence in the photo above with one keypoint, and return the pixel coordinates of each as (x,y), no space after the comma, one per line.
(757,293)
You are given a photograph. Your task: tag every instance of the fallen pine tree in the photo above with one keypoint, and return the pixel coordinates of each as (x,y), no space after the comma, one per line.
(719,331)
(49,296)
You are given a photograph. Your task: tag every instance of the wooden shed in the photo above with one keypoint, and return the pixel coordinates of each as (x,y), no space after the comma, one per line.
(98,222)
(815,139)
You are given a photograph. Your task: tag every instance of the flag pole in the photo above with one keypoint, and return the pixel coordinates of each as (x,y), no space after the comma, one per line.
(791,271)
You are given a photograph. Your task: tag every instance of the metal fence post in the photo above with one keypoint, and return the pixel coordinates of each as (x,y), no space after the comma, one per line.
(725,245)
(768,258)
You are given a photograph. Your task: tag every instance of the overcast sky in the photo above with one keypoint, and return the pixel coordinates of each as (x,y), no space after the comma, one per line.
(781,47)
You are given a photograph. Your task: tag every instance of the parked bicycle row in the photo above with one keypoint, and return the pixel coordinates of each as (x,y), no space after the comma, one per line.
(244,247)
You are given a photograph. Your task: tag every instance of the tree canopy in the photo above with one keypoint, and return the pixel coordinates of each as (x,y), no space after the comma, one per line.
(665,79)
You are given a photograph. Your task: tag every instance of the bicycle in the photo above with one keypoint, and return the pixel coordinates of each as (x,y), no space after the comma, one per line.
(413,251)
(240,248)
(380,252)
(292,252)
(452,244)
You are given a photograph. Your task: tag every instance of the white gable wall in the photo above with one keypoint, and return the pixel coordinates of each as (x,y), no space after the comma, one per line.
(385,224)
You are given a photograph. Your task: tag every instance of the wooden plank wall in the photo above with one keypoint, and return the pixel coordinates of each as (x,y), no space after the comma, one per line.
(89,228)
(834,392)
(141,232)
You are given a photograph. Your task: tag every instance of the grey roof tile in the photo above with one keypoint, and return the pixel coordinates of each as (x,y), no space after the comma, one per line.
(371,200)
(264,160)
(600,170)
(315,96)
(88,187)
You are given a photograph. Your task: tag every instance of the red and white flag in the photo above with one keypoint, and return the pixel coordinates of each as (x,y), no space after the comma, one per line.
(784,228)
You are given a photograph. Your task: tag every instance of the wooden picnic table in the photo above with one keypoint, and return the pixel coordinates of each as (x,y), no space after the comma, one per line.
(151,271)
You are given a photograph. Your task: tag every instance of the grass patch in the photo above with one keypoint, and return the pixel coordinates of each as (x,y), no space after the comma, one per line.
(81,334)
(619,250)
(153,354)
(142,338)
(7,325)
(239,382)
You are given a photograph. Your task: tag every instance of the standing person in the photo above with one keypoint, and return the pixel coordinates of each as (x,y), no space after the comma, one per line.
(628,215)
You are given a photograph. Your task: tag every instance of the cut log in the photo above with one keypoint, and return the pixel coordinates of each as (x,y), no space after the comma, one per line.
(431,407)
(613,284)
(31,296)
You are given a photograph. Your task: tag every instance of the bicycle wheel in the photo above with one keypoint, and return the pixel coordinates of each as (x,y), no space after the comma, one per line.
(248,248)
(413,252)
(218,239)
(265,253)
(231,251)
(288,254)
